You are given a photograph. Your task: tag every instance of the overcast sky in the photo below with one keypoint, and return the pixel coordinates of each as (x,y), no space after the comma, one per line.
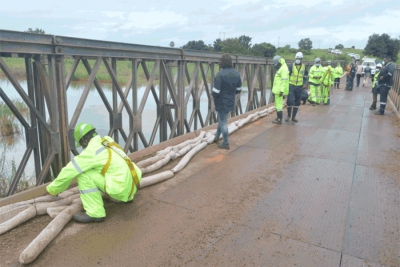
(157,22)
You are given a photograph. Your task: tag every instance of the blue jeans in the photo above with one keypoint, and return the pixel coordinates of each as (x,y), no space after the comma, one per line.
(222,127)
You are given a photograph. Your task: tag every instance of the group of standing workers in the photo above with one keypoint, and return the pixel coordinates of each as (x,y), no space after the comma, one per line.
(293,80)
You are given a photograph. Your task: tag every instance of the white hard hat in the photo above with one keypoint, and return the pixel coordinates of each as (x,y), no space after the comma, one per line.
(317,60)
(379,65)
(299,55)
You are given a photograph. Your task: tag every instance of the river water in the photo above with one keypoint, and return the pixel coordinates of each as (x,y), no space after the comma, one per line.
(94,111)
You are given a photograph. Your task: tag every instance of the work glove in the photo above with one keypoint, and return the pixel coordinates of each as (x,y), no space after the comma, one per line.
(281,94)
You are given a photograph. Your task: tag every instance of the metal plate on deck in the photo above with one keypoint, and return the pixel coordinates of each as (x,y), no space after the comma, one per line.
(372,230)
(331,144)
(309,204)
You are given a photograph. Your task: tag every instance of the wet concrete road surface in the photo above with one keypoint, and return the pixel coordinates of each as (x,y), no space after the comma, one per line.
(323,192)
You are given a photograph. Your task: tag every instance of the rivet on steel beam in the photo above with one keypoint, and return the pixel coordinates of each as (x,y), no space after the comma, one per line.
(59,50)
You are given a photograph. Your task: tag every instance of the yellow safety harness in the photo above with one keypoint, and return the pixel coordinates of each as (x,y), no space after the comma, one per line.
(114,146)
(328,72)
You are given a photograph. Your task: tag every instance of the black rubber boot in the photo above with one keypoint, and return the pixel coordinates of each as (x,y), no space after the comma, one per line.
(294,114)
(381,110)
(84,218)
(289,114)
(278,120)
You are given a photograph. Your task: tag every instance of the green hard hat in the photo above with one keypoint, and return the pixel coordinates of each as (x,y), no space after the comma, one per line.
(80,130)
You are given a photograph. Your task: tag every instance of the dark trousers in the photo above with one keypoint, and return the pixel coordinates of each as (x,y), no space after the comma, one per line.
(293,99)
(336,83)
(358,79)
(349,82)
(384,91)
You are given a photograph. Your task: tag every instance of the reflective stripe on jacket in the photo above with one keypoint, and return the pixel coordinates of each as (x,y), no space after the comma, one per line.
(297,76)
(118,178)
(315,71)
(281,79)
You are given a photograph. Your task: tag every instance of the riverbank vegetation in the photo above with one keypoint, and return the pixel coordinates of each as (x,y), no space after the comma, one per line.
(10,130)
(9,125)
(8,168)
(124,71)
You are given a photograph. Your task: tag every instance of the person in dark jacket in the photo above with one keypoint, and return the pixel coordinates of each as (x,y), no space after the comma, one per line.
(385,82)
(227,84)
(350,81)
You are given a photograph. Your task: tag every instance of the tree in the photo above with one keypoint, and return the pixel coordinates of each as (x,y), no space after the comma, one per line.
(353,47)
(196,45)
(218,43)
(264,50)
(245,41)
(35,31)
(305,44)
(382,45)
(233,46)
(339,46)
(172,44)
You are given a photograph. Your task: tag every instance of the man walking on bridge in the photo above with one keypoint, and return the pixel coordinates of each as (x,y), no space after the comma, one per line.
(227,84)
(385,81)
(102,166)
(280,86)
(297,83)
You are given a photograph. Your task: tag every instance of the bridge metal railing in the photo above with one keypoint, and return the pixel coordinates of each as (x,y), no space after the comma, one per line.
(49,130)
(183,76)
(394,93)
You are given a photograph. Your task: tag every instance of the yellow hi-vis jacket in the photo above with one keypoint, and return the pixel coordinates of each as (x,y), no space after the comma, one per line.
(376,78)
(338,72)
(296,78)
(281,79)
(317,72)
(118,180)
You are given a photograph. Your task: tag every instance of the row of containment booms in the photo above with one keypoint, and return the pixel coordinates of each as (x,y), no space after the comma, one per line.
(62,207)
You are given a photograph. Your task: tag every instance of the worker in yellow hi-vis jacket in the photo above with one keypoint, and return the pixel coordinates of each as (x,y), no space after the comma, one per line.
(102,166)
(326,82)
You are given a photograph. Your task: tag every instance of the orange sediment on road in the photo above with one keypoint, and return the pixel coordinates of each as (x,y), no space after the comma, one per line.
(217,158)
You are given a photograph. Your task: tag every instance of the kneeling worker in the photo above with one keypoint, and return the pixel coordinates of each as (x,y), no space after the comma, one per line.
(102,166)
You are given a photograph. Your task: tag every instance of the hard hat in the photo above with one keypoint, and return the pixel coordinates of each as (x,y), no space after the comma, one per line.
(298,55)
(80,130)
(379,65)
(317,60)
(276,59)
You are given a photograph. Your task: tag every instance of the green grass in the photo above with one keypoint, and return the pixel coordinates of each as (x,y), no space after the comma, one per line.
(124,68)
